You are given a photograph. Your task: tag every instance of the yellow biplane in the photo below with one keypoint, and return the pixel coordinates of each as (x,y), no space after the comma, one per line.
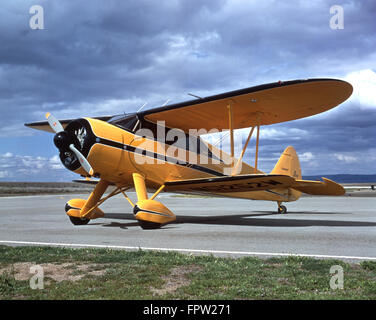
(160,149)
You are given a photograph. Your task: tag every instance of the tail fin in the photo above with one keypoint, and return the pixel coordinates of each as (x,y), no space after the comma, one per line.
(288,164)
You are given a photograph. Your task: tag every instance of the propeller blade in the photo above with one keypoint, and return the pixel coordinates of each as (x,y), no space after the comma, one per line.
(85,164)
(54,123)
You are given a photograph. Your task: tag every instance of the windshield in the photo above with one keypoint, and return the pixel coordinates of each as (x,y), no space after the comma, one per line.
(125,121)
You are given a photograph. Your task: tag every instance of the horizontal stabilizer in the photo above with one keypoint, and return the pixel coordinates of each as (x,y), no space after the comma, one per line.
(326,187)
(248,182)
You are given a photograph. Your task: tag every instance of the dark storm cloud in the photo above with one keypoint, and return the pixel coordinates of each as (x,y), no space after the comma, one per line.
(117,49)
(91,53)
(350,130)
(339,142)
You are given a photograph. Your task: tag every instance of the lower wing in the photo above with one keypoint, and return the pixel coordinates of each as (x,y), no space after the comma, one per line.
(248,182)
(255,182)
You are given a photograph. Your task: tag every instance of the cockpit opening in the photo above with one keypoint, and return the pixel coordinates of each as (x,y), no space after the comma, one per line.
(135,123)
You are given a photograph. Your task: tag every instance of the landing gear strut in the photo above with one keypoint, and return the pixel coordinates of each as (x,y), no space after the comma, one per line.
(281,209)
(150,213)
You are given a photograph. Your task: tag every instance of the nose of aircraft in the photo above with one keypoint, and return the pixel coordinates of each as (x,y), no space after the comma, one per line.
(63,139)
(66,141)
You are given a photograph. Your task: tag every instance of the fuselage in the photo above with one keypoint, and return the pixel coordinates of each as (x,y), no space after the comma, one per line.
(118,148)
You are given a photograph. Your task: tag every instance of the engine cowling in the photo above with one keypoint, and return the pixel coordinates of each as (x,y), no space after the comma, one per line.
(78,133)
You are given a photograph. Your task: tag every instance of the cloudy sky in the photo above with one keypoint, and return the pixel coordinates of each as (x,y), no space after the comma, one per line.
(106,57)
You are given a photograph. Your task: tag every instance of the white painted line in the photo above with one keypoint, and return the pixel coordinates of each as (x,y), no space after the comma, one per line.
(42,195)
(245,253)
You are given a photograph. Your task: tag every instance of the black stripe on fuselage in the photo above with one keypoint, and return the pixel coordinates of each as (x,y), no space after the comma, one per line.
(137,209)
(157,156)
(278,194)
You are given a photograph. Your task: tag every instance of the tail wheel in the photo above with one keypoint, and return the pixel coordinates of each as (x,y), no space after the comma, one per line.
(282,209)
(147,225)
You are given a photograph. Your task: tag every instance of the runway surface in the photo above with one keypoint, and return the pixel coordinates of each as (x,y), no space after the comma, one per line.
(338,227)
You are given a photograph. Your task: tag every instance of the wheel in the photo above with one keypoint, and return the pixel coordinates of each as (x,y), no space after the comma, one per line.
(147,225)
(75,220)
(78,221)
(282,209)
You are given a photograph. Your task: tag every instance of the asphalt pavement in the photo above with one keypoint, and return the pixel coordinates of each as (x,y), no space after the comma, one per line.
(324,227)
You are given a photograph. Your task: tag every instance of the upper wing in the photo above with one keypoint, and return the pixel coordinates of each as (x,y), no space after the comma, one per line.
(44,126)
(264,104)
(326,187)
(247,182)
(259,105)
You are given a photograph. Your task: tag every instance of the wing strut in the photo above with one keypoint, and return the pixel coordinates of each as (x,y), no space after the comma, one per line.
(235,168)
(257,145)
(231,126)
(235,171)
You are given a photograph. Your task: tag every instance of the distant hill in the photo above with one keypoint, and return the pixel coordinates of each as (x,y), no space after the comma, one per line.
(345,178)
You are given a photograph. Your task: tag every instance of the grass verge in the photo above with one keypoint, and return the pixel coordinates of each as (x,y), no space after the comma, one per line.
(117,274)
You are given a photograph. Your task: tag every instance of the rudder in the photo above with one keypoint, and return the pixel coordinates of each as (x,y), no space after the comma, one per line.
(288,164)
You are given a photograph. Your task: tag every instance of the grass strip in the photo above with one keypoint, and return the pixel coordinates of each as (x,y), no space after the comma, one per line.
(119,274)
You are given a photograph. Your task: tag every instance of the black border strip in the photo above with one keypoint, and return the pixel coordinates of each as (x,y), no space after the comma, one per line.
(158,156)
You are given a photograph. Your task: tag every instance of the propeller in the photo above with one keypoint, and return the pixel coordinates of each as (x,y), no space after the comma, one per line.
(54,123)
(63,140)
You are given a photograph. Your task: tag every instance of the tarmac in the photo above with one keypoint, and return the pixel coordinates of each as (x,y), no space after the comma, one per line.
(323,227)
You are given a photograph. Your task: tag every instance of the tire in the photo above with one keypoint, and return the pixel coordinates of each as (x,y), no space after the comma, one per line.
(282,210)
(147,225)
(78,221)
(75,220)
